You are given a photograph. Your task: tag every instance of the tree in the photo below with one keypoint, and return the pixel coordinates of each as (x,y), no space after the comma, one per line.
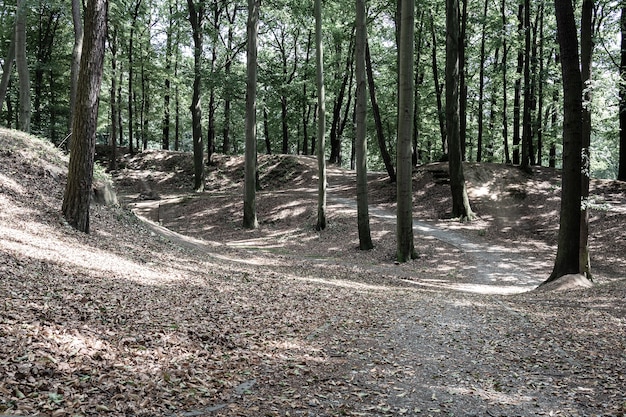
(76,51)
(249,205)
(404,224)
(6,70)
(321,118)
(365,238)
(568,256)
(621,174)
(460,201)
(21,63)
(78,190)
(196,13)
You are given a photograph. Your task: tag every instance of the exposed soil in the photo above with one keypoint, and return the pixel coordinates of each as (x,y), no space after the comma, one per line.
(189,314)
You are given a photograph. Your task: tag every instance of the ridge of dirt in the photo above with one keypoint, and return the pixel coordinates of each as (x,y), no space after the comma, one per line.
(283,320)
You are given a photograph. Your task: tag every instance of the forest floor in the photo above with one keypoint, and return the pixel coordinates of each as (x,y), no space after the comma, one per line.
(185,313)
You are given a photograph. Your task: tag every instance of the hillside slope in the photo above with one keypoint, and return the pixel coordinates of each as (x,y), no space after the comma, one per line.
(126,322)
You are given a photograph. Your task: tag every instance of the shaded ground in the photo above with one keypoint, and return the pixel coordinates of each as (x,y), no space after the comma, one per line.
(135,320)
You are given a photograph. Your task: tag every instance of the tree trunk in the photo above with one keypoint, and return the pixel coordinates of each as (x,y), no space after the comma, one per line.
(481,86)
(226,144)
(78,190)
(7,69)
(586,52)
(165,138)
(518,88)
(568,255)
(540,98)
(321,118)
(266,131)
(131,92)
(404,223)
(505,119)
(249,203)
(21,64)
(462,81)
(460,201)
(76,51)
(363,220)
(621,173)
(438,89)
(526,122)
(306,106)
(196,13)
(113,102)
(380,135)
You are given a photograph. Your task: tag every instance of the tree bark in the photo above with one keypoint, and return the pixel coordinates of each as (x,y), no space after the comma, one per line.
(526,122)
(78,190)
(460,201)
(165,138)
(6,70)
(76,52)
(380,135)
(518,87)
(505,119)
(404,223)
(441,113)
(321,118)
(21,64)
(363,220)
(481,86)
(249,203)
(196,13)
(621,173)
(568,256)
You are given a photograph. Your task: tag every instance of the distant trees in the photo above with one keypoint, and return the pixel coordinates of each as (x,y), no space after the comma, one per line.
(21,63)
(78,191)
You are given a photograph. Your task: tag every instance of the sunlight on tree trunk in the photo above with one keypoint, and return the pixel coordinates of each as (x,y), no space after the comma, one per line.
(76,51)
(80,174)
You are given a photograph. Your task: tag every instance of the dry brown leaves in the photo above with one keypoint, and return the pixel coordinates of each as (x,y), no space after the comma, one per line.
(284,320)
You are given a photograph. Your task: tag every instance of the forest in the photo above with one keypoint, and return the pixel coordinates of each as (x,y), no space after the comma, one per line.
(322,208)
(510,80)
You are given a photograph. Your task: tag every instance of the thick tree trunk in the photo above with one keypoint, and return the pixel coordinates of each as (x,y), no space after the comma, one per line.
(363,220)
(321,118)
(404,223)
(249,203)
(568,255)
(460,201)
(78,190)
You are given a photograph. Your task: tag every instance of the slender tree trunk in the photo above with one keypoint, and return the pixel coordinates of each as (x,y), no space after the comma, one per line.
(505,119)
(7,69)
(404,223)
(568,254)
(460,201)
(481,86)
(226,144)
(165,138)
(76,51)
(441,113)
(621,173)
(363,220)
(196,13)
(249,203)
(462,80)
(518,88)
(419,79)
(526,123)
(78,190)
(586,53)
(306,106)
(21,64)
(540,98)
(321,119)
(266,131)
(380,135)
(113,99)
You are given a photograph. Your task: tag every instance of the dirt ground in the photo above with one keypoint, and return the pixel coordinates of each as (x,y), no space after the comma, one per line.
(189,314)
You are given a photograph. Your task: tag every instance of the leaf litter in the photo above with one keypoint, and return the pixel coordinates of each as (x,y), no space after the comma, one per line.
(128,322)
